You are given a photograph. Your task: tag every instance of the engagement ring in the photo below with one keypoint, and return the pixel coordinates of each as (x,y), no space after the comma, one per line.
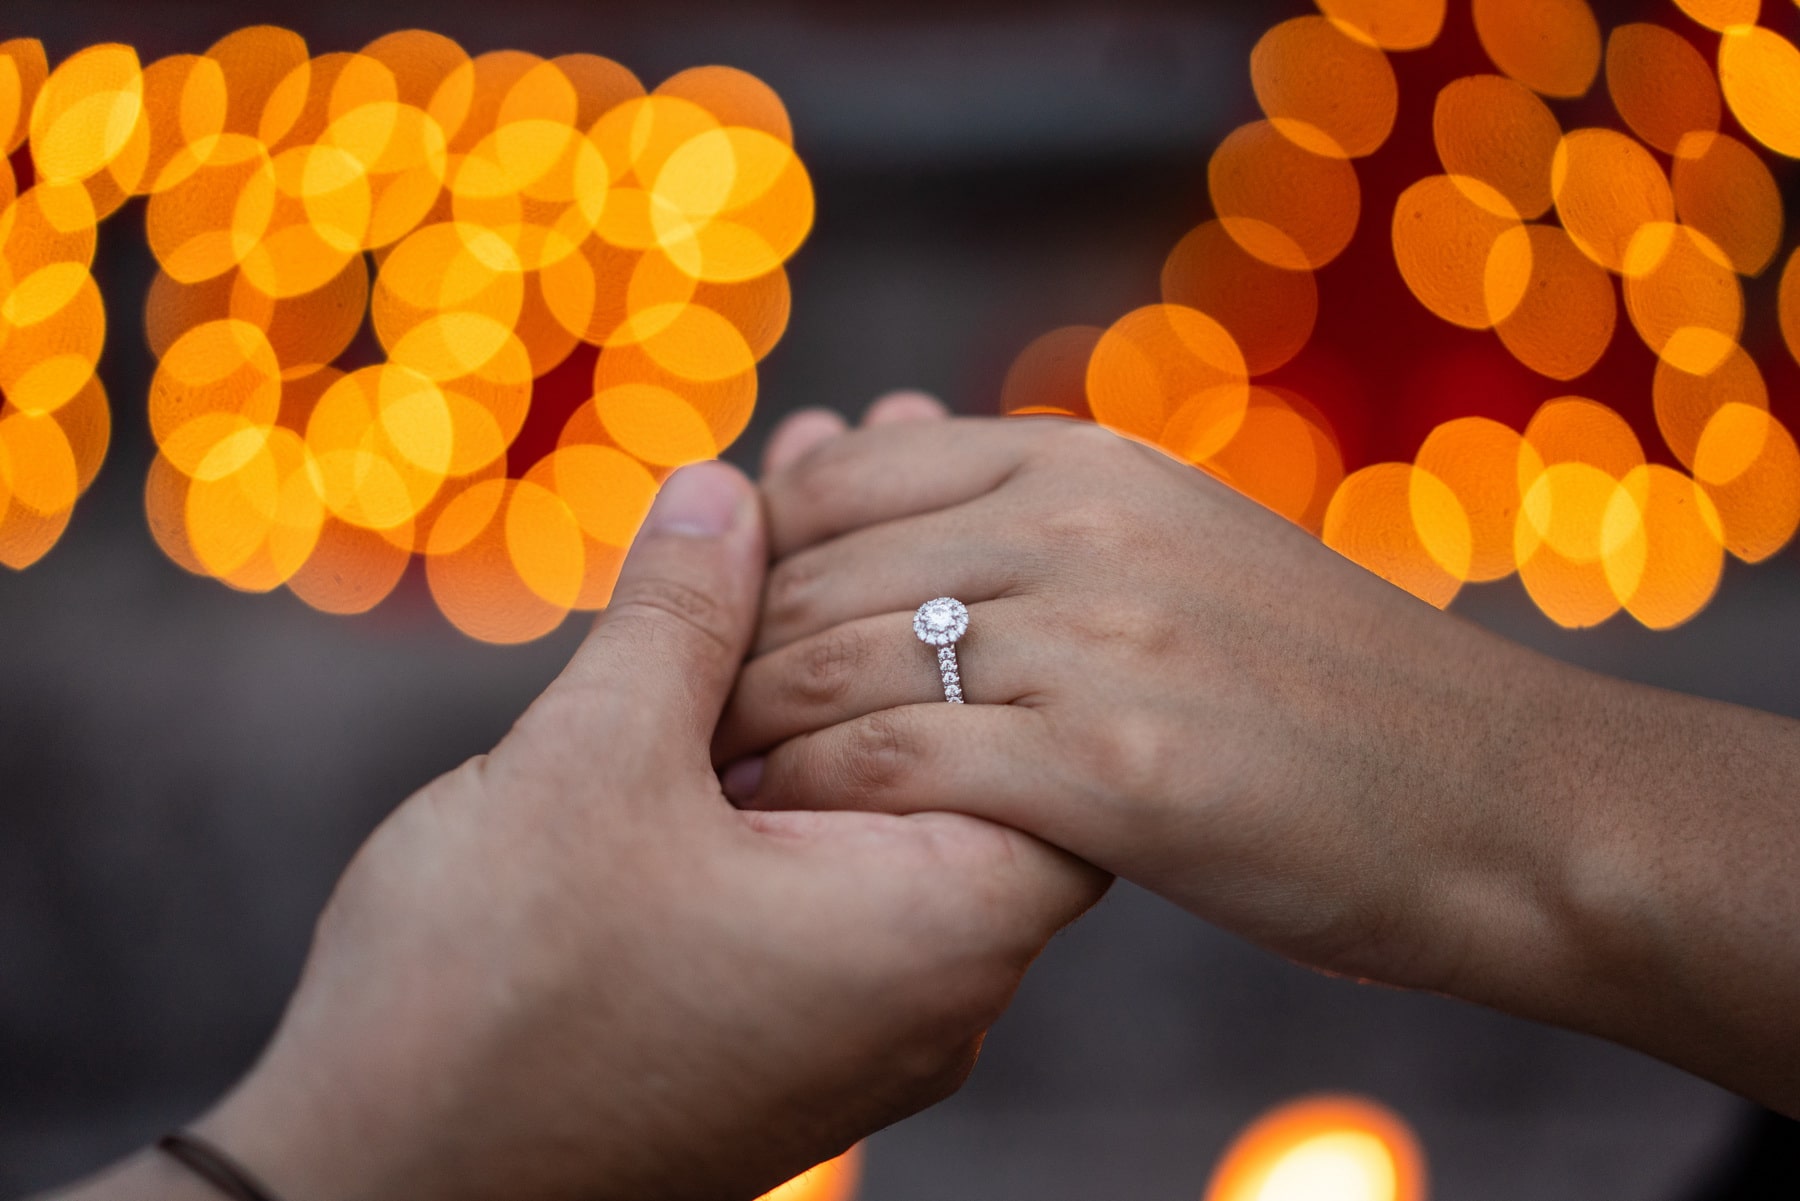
(940,623)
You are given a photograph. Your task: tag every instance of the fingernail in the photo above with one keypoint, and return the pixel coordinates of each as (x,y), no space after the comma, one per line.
(702,500)
(742,780)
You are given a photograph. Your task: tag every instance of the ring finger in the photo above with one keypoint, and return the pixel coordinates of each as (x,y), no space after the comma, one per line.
(871,664)
(869,571)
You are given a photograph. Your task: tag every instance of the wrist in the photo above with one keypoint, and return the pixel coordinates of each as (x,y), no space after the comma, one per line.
(409,1111)
(305,1135)
(1503,830)
(346,1104)
(1604,880)
(146,1176)
(1675,892)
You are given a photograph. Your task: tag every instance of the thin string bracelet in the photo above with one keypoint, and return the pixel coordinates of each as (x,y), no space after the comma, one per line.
(213,1166)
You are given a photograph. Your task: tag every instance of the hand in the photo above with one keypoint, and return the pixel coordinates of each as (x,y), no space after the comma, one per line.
(1171,682)
(1176,684)
(570,969)
(1180,687)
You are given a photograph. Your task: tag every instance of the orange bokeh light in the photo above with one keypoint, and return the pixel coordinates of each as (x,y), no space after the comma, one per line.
(1607,187)
(1172,374)
(1390,24)
(1683,296)
(1478,460)
(1050,375)
(1721,14)
(1446,228)
(1493,130)
(1788,304)
(1326,1148)
(1405,525)
(1686,401)
(1552,306)
(1581,455)
(493,213)
(571,275)
(833,1181)
(1324,88)
(1269,311)
(1531,237)
(1290,206)
(1759,71)
(1725,192)
(1550,46)
(1663,88)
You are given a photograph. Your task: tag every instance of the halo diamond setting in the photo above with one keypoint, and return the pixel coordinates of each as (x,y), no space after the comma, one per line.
(941,622)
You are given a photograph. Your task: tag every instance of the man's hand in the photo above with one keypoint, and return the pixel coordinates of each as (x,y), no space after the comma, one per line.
(570,969)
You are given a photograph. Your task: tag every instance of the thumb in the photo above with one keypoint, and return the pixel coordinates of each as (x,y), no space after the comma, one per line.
(670,643)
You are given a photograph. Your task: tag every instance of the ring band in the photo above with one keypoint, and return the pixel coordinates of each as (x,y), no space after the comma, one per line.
(940,623)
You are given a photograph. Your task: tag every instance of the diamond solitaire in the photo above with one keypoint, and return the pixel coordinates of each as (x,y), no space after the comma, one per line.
(940,623)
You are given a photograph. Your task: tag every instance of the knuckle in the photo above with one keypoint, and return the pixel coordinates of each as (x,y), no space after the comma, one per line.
(828,668)
(475,779)
(881,750)
(791,589)
(1124,624)
(935,1071)
(1066,443)
(821,475)
(567,716)
(1135,757)
(1084,529)
(959,1068)
(663,602)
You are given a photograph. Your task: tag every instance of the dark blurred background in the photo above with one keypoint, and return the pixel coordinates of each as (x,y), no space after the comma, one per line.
(184,770)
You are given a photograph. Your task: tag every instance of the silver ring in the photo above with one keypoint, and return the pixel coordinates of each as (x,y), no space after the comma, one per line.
(940,623)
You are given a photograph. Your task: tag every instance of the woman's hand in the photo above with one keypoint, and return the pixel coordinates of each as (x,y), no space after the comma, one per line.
(1164,677)
(1186,690)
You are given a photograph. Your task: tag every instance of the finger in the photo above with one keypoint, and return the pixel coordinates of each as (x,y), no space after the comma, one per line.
(797,434)
(892,471)
(668,647)
(1032,889)
(908,405)
(1036,888)
(894,565)
(872,664)
(989,761)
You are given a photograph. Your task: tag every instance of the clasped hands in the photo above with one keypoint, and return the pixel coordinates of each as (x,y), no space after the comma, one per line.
(574,969)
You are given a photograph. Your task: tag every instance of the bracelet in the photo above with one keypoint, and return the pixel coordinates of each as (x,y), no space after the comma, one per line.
(213,1166)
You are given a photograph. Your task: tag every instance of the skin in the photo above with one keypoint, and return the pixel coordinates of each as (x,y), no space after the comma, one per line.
(572,970)
(1184,689)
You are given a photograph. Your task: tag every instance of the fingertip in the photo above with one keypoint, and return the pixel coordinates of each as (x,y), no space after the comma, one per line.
(1054,884)
(908,404)
(684,609)
(702,500)
(798,433)
(743,780)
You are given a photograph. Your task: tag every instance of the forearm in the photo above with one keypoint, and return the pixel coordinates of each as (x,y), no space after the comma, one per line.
(1654,840)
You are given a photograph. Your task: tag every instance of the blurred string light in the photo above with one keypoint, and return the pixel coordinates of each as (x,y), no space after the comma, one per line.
(1326,1148)
(410,304)
(1470,267)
